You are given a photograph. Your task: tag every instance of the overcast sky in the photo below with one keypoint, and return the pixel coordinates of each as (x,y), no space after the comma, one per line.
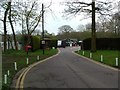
(54,19)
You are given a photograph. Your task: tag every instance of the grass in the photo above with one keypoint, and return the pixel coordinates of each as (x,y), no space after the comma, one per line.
(109,56)
(11,56)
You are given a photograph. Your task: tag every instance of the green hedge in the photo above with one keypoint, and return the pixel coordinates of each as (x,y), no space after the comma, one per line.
(103,44)
(24,40)
(35,43)
(53,43)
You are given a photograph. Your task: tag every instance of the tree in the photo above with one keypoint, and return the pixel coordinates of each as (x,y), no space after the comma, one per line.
(10,20)
(77,7)
(30,17)
(65,29)
(114,23)
(10,14)
(4,22)
(81,27)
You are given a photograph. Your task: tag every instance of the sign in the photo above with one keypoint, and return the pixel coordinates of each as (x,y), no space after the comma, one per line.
(43,42)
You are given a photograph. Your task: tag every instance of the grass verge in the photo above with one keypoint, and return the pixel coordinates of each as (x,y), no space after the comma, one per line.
(109,56)
(11,56)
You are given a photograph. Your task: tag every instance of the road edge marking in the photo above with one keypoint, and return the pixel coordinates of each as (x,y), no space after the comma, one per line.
(27,69)
(96,62)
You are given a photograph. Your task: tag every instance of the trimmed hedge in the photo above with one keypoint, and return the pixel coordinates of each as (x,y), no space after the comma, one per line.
(103,44)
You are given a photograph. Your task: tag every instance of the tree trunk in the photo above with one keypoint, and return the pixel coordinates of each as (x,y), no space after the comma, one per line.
(93,41)
(5,30)
(14,36)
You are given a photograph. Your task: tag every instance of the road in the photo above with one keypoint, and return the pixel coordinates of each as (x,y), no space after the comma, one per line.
(68,70)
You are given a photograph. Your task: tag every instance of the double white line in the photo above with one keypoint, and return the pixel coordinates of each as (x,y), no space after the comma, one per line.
(20,81)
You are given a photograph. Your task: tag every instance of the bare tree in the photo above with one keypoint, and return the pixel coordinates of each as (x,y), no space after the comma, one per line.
(8,13)
(30,17)
(65,30)
(77,7)
(4,22)
(12,27)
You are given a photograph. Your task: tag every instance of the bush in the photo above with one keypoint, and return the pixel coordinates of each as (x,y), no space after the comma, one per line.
(35,43)
(24,41)
(53,43)
(103,44)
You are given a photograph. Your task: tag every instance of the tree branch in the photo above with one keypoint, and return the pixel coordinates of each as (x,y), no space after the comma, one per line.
(74,8)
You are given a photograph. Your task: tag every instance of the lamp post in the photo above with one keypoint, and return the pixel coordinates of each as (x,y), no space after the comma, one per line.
(93,41)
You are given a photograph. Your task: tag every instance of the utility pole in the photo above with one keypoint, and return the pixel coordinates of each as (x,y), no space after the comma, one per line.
(93,39)
(43,41)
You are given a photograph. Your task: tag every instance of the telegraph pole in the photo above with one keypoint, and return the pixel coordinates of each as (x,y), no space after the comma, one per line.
(93,39)
(43,42)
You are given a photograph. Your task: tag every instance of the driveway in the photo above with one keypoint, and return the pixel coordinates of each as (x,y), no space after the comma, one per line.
(68,70)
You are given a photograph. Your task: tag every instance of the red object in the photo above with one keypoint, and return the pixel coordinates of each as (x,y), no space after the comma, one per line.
(27,47)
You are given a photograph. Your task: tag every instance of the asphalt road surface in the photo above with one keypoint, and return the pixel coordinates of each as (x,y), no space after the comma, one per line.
(68,70)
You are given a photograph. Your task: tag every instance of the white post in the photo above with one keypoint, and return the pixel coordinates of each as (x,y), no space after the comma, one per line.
(101,58)
(83,53)
(53,47)
(5,79)
(38,57)
(8,72)
(116,61)
(79,47)
(27,62)
(90,55)
(15,64)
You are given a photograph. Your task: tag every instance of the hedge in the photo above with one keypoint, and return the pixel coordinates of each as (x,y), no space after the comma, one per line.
(35,43)
(53,43)
(103,44)
(24,40)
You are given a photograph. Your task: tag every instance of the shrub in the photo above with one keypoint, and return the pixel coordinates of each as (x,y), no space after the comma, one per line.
(53,43)
(35,43)
(103,44)
(24,40)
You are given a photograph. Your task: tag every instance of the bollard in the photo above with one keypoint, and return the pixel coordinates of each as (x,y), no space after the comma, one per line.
(38,58)
(8,72)
(101,58)
(27,61)
(90,55)
(83,53)
(116,61)
(53,47)
(5,79)
(15,65)
(80,48)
